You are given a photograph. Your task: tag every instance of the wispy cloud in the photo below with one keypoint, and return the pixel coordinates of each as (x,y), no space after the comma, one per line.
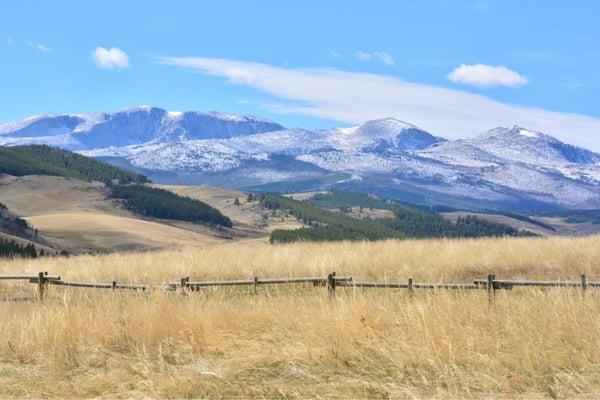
(38,46)
(9,41)
(362,56)
(382,56)
(114,58)
(385,58)
(356,97)
(43,48)
(481,75)
(335,54)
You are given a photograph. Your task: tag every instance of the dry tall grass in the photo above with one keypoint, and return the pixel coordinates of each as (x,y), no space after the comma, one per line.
(293,342)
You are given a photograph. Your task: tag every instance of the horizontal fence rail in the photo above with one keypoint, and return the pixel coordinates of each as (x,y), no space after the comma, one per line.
(331,281)
(114,285)
(317,281)
(32,278)
(410,286)
(502,283)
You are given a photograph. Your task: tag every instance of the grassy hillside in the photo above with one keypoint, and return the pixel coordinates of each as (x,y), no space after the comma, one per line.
(45,160)
(125,186)
(408,222)
(291,342)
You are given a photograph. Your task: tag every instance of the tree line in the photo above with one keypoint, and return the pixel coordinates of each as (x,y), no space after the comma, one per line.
(408,222)
(10,248)
(160,203)
(13,225)
(46,160)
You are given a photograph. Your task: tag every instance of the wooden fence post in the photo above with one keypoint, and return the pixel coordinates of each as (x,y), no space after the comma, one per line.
(583,284)
(41,283)
(114,285)
(255,285)
(411,290)
(491,289)
(331,285)
(183,283)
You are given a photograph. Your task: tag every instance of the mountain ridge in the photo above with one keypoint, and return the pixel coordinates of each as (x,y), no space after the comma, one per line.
(505,167)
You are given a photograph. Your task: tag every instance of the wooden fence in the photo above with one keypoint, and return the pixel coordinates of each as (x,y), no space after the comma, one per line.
(331,281)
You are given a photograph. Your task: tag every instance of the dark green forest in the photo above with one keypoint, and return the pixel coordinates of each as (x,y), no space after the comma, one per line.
(408,222)
(161,203)
(345,199)
(45,160)
(10,248)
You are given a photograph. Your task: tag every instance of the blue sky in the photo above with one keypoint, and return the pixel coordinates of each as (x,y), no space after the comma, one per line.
(312,63)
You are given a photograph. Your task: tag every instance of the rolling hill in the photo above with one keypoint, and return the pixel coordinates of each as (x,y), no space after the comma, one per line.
(77,204)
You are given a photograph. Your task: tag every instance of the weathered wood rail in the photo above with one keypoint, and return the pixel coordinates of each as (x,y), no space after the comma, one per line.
(331,281)
(316,281)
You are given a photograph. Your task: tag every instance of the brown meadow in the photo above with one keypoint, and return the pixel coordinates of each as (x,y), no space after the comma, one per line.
(291,341)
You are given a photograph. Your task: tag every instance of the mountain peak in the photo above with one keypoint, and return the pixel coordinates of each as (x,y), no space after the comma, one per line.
(525,145)
(387,123)
(131,126)
(514,132)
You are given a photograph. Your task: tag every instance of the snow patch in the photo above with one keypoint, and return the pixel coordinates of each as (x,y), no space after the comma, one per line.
(526,133)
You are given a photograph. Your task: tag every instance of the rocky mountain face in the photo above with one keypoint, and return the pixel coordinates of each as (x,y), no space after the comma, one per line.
(509,168)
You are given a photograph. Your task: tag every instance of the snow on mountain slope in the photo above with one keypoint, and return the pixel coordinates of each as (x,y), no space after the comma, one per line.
(381,134)
(503,165)
(522,145)
(137,125)
(364,142)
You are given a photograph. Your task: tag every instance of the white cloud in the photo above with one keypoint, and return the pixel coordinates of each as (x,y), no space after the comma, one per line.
(362,56)
(385,58)
(335,54)
(9,41)
(43,49)
(382,56)
(114,58)
(481,75)
(356,97)
(38,46)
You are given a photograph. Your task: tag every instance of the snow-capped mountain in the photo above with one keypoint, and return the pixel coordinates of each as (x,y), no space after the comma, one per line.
(138,125)
(504,167)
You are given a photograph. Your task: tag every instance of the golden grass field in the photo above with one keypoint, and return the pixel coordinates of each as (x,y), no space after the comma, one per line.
(292,342)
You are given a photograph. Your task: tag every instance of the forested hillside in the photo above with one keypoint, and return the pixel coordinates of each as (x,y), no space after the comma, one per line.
(345,199)
(10,248)
(123,185)
(407,222)
(159,203)
(15,226)
(45,160)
